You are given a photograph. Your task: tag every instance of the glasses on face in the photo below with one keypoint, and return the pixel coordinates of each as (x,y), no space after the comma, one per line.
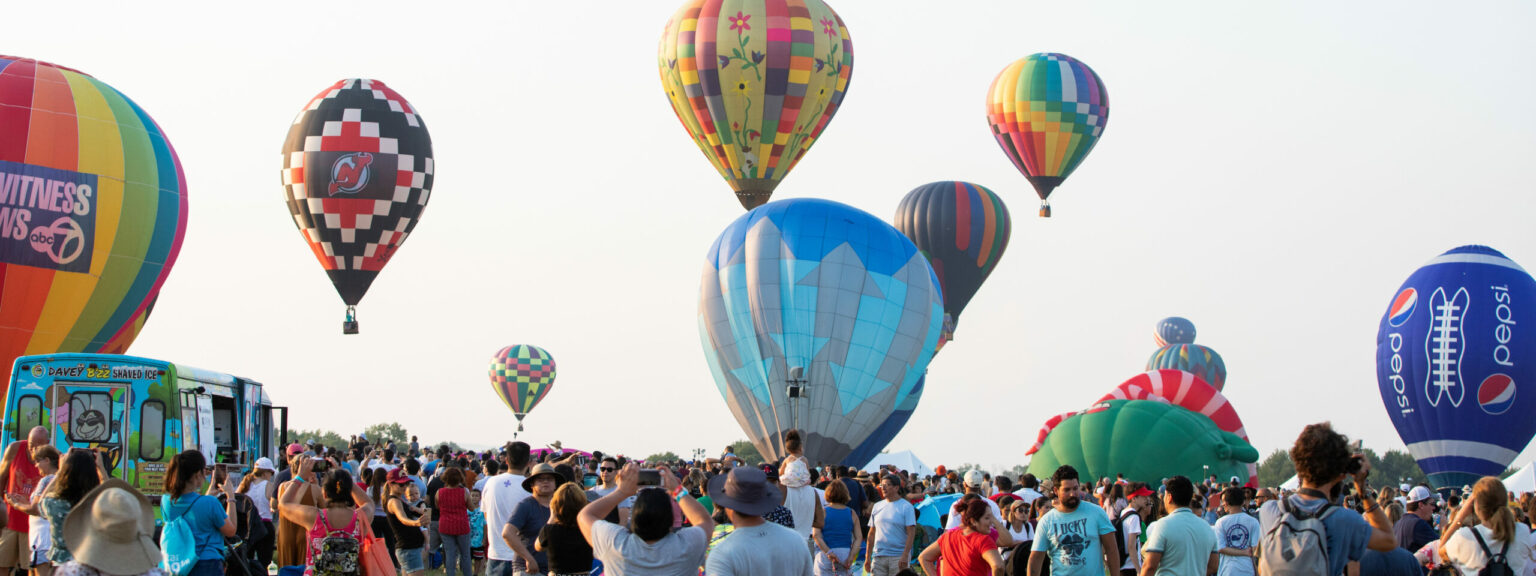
(606,469)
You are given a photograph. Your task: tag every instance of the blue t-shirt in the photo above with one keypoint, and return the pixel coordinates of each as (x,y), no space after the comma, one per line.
(1071,539)
(890,521)
(1348,532)
(205,516)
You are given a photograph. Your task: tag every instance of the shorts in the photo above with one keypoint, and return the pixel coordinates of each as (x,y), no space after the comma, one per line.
(15,551)
(477,553)
(410,560)
(886,566)
(40,557)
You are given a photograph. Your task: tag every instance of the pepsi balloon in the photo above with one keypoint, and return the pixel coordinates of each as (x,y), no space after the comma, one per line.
(1452,350)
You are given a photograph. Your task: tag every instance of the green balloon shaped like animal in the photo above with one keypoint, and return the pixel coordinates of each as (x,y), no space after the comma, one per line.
(1145,440)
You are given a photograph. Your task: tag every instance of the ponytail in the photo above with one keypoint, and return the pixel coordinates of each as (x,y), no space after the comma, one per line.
(178,478)
(1491,502)
(338,487)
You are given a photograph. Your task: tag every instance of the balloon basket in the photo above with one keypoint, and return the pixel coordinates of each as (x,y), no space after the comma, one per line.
(349,326)
(1045,210)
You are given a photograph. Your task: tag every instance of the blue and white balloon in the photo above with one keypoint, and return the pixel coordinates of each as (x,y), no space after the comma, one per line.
(887,431)
(1174,330)
(828,288)
(1455,344)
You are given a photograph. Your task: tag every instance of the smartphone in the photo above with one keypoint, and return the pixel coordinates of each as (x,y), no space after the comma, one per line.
(650,477)
(321,465)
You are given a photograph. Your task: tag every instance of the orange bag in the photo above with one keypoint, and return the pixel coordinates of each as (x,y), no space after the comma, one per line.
(374,555)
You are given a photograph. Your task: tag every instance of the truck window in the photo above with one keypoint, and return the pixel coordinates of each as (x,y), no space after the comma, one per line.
(152,431)
(90,417)
(29,411)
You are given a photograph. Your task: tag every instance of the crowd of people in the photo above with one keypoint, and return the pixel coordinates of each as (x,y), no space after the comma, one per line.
(367,510)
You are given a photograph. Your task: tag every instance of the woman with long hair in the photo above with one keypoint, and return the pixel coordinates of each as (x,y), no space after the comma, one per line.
(345,509)
(838,539)
(248,525)
(1470,547)
(971,548)
(76,476)
(453,522)
(406,522)
(254,486)
(560,540)
(378,479)
(210,523)
(800,496)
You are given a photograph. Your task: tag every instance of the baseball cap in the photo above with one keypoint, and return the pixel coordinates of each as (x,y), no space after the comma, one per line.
(1419,494)
(974,478)
(1142,491)
(265,464)
(295,449)
(397,476)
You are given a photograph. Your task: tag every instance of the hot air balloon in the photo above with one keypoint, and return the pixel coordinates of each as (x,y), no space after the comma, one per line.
(357,166)
(1174,330)
(93,209)
(755,83)
(963,229)
(1047,111)
(827,290)
(1145,440)
(522,376)
(887,430)
(1193,358)
(1188,391)
(1453,346)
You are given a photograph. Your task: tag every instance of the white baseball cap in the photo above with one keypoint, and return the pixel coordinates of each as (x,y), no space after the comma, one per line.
(1419,494)
(265,464)
(974,478)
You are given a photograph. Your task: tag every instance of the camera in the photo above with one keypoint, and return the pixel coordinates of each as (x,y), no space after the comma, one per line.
(650,477)
(321,465)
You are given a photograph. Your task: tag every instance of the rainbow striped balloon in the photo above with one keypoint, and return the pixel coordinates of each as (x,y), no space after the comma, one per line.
(93,209)
(963,229)
(1047,111)
(522,376)
(754,83)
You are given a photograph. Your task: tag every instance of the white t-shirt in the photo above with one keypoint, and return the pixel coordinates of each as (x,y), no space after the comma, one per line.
(1132,542)
(677,554)
(1239,531)
(1466,555)
(764,550)
(500,497)
(890,521)
(954,516)
(1028,495)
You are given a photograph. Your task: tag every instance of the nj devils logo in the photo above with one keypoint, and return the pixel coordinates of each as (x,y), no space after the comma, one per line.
(350,173)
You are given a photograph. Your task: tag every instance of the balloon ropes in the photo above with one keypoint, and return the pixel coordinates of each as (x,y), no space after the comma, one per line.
(963,229)
(522,376)
(93,209)
(825,301)
(1047,111)
(357,167)
(1453,345)
(755,83)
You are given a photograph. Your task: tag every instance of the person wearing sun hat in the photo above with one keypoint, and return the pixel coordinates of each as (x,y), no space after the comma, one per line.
(529,518)
(756,546)
(110,532)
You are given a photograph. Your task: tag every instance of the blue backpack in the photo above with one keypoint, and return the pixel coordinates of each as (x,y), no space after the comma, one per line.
(176,541)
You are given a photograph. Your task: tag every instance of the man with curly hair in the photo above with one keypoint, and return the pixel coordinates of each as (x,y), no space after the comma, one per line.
(1324,462)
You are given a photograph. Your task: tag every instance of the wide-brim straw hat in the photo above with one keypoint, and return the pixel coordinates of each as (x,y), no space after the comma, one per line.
(111,530)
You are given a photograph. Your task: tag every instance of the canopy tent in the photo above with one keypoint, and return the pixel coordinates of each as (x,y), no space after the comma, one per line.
(1522,481)
(903,460)
(1292,484)
(933,509)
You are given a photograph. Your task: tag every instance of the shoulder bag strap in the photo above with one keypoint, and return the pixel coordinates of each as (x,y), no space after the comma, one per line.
(1480,542)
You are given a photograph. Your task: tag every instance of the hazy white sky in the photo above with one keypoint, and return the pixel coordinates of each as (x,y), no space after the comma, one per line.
(1272,171)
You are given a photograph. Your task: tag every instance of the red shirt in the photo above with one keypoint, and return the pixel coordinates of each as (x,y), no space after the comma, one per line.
(452,506)
(24,477)
(960,554)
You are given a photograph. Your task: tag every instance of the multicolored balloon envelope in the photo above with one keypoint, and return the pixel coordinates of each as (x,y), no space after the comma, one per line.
(1187,391)
(1453,347)
(1193,358)
(887,430)
(357,166)
(963,229)
(93,209)
(828,288)
(755,83)
(1145,440)
(1047,111)
(1174,330)
(522,376)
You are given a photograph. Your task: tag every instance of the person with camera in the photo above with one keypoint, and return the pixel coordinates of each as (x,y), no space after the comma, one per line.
(1324,462)
(650,547)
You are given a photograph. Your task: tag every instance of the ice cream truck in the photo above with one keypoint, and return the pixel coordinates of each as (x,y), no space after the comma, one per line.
(139,413)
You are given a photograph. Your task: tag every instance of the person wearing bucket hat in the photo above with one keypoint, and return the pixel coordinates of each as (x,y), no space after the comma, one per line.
(110,532)
(756,546)
(529,517)
(648,545)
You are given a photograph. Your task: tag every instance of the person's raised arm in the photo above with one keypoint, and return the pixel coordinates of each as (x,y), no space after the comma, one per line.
(289,494)
(231,515)
(626,478)
(362,500)
(1383,539)
(692,509)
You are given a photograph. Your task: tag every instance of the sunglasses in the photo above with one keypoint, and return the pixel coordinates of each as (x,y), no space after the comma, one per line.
(606,469)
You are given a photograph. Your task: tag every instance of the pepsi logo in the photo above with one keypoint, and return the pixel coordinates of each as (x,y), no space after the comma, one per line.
(1402,307)
(350,173)
(1496,394)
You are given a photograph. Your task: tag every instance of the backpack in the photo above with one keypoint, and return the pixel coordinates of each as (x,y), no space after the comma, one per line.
(1297,545)
(1119,524)
(177,542)
(338,552)
(1497,565)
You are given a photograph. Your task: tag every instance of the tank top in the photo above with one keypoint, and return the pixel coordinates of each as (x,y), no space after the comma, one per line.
(837,528)
(23,480)
(406,537)
(323,529)
(454,511)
